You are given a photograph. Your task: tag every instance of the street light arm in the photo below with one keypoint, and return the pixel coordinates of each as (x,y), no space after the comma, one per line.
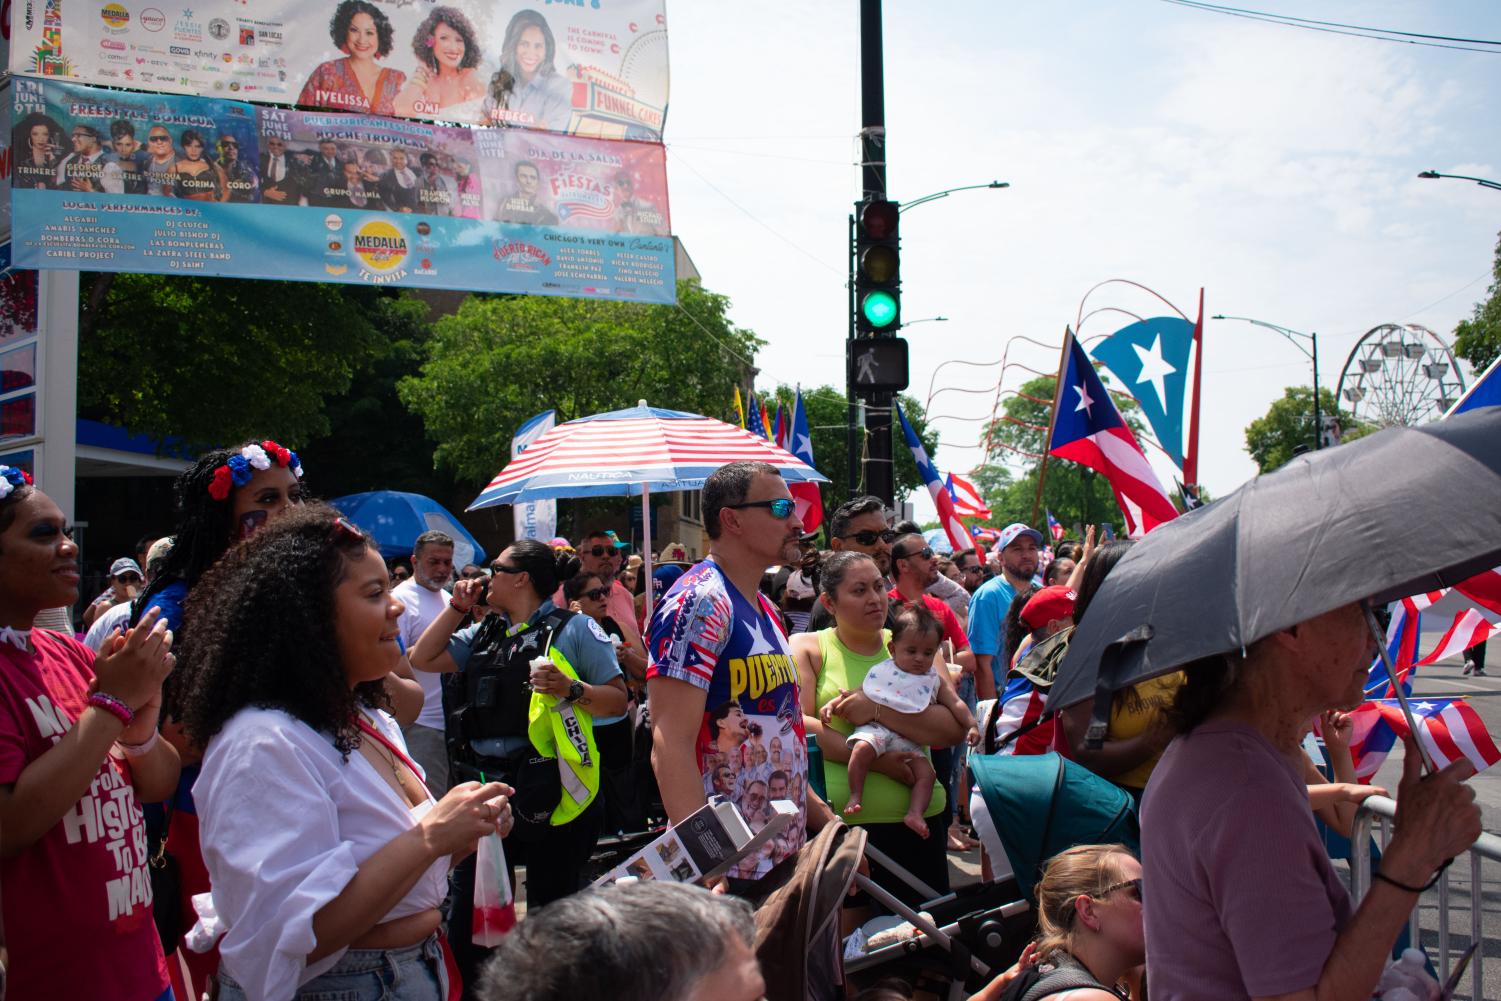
(1288,333)
(1494,185)
(945,193)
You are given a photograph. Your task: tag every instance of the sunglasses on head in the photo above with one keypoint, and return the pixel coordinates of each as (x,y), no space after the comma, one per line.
(926,552)
(781,509)
(869,538)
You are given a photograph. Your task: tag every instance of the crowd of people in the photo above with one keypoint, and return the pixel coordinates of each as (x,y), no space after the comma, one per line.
(264,772)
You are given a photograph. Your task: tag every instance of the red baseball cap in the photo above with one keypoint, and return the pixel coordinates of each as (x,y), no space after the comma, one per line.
(1056,602)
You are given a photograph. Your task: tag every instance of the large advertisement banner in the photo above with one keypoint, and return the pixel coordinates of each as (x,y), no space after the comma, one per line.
(117,181)
(583,67)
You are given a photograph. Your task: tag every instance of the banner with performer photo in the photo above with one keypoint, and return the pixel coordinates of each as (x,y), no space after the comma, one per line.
(581,68)
(118,181)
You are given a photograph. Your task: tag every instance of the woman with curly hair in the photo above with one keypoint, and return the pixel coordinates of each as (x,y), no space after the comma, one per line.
(328,857)
(357,82)
(79,753)
(446,82)
(528,90)
(222,499)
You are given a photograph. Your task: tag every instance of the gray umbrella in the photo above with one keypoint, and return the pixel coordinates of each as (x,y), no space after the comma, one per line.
(1403,511)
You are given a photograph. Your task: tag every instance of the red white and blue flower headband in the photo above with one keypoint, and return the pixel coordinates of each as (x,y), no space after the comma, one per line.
(243,465)
(12,478)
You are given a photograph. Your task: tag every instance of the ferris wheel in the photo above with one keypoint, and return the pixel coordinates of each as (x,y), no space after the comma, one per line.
(1399,375)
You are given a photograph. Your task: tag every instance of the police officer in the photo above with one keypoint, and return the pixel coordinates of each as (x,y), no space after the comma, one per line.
(527,685)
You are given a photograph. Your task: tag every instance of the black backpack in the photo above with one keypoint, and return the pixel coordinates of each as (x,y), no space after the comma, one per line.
(1045,980)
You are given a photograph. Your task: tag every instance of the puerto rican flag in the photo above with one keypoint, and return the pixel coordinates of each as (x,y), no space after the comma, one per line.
(1087,429)
(966,496)
(800,443)
(1402,646)
(947,516)
(1449,729)
(1054,528)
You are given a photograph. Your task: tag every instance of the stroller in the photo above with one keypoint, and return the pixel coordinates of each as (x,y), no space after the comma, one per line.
(1034,807)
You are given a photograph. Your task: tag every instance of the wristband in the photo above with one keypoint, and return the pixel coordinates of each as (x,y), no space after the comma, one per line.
(113,706)
(455,606)
(142,749)
(1414,889)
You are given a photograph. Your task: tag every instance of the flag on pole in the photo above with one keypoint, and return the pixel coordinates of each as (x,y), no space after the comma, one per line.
(1449,729)
(1485,391)
(947,516)
(1150,357)
(534,519)
(784,428)
(800,443)
(1402,646)
(756,425)
(766,431)
(739,408)
(1087,429)
(966,497)
(1055,529)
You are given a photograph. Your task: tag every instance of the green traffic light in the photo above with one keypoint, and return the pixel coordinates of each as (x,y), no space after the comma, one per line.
(879,309)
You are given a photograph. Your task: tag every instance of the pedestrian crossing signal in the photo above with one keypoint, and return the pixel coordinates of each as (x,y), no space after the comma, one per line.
(877,364)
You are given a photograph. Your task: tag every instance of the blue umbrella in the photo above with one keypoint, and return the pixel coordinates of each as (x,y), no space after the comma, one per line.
(394,519)
(939,540)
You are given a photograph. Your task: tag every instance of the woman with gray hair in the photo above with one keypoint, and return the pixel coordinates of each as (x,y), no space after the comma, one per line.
(630,942)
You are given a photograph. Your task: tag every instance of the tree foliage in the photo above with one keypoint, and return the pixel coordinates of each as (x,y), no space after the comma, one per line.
(500,360)
(828,417)
(219,359)
(1478,339)
(1288,423)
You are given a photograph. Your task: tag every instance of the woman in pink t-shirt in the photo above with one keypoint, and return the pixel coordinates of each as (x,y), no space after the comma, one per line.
(78,755)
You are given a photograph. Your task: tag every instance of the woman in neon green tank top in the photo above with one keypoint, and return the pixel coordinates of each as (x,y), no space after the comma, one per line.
(831,665)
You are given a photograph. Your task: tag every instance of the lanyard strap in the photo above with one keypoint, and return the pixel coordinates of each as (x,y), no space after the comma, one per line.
(385,742)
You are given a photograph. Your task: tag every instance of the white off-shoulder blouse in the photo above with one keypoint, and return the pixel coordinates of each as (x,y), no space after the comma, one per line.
(285,823)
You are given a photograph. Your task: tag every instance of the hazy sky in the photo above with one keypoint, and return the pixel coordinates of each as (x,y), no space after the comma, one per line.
(1274,167)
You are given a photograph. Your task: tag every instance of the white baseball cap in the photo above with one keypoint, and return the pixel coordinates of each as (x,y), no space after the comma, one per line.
(1014,531)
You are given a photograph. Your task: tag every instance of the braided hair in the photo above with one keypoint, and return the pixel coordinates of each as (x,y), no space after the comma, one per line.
(259,631)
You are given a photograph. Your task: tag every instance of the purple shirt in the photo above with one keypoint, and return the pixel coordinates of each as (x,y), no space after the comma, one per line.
(1240,898)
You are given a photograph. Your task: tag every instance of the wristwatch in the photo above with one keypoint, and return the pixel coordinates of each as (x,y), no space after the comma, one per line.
(575,691)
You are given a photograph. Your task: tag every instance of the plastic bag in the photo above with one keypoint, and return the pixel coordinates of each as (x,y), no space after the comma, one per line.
(494,904)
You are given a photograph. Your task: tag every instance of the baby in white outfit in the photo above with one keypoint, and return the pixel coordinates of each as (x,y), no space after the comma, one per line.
(906,683)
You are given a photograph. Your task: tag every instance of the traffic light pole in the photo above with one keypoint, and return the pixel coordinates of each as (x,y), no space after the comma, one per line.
(879,473)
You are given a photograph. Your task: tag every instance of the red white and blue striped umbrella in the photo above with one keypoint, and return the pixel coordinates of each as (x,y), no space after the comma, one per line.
(629,452)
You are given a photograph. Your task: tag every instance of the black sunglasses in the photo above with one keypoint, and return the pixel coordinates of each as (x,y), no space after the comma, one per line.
(596,594)
(502,568)
(868,537)
(926,552)
(601,550)
(781,508)
(128,578)
(1134,885)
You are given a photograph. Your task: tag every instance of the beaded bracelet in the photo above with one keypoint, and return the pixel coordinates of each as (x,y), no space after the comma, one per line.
(455,606)
(113,706)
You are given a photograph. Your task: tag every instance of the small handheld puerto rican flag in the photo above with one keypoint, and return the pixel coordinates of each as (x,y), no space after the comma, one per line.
(1448,729)
(1055,528)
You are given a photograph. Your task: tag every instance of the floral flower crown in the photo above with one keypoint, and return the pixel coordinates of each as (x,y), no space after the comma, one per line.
(242,466)
(12,478)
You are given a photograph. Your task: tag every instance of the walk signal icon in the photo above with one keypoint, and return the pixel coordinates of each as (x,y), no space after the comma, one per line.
(877,364)
(877,267)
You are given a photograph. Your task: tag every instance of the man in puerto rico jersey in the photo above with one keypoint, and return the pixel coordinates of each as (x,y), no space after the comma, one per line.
(721,682)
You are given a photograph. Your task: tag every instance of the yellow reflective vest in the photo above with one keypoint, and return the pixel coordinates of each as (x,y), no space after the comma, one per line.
(559,729)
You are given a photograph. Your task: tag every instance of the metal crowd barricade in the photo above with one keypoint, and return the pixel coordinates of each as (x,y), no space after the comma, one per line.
(1381,811)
